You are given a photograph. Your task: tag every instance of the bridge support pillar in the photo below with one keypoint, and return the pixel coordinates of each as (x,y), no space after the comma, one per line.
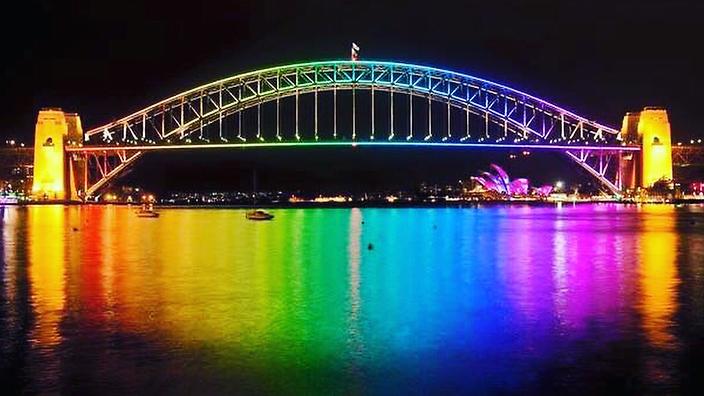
(629,163)
(55,175)
(651,129)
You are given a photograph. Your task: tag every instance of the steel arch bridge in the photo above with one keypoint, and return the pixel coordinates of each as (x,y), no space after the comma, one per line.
(336,103)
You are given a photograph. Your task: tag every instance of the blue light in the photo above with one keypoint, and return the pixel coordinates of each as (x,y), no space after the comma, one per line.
(354,144)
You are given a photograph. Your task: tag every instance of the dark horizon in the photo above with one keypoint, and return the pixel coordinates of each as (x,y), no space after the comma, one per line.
(338,170)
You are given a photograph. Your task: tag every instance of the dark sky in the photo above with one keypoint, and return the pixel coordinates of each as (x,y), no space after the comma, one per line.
(104,59)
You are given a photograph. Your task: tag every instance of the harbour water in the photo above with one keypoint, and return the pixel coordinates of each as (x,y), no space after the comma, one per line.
(502,299)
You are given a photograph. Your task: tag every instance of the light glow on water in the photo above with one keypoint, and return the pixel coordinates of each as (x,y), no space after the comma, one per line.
(492,299)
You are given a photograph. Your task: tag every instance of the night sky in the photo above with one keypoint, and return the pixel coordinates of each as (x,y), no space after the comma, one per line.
(106,59)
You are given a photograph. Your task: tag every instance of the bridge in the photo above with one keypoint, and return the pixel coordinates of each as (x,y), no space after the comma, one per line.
(347,103)
(684,156)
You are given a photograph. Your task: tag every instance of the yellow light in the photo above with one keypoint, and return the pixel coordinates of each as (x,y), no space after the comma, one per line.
(49,157)
(46,273)
(656,155)
(658,274)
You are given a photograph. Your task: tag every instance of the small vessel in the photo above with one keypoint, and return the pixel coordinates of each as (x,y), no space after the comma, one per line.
(147,210)
(259,214)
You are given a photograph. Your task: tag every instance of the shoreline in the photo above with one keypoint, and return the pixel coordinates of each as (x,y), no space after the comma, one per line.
(356,204)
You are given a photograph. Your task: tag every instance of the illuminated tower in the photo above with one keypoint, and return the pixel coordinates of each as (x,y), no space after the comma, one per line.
(77,167)
(656,145)
(54,177)
(651,129)
(629,162)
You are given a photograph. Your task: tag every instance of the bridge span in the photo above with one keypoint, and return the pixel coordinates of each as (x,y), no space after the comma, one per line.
(347,103)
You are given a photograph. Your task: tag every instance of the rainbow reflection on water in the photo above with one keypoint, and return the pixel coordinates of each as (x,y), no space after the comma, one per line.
(493,299)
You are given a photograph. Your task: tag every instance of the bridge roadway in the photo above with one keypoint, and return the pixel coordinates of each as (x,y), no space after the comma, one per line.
(156,147)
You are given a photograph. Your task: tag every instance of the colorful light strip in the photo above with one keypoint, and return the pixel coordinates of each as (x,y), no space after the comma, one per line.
(351,144)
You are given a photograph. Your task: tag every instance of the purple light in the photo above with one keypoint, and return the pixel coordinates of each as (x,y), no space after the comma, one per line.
(352,144)
(501,183)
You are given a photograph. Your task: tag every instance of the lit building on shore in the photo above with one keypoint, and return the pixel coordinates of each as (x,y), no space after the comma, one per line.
(501,184)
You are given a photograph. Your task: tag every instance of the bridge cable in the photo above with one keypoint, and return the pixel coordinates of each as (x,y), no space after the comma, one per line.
(298,137)
(372,134)
(316,114)
(278,118)
(410,117)
(354,114)
(430,120)
(448,121)
(391,116)
(259,122)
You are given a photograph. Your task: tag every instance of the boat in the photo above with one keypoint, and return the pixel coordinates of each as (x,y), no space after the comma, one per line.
(147,210)
(151,214)
(259,214)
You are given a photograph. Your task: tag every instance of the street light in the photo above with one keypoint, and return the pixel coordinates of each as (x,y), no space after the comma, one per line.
(559,185)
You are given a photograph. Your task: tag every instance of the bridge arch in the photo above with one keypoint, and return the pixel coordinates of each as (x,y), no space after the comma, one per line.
(515,119)
(518,112)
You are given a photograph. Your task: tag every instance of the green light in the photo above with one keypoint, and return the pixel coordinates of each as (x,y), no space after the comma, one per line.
(302,144)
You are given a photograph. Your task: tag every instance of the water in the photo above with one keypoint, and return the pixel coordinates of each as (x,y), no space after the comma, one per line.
(505,299)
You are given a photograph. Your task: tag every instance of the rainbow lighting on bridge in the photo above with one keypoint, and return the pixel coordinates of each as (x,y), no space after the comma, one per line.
(348,103)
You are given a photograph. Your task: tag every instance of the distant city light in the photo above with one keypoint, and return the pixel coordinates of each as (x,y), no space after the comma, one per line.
(559,184)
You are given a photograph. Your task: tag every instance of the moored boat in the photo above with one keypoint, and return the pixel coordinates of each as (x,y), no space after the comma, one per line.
(259,214)
(147,210)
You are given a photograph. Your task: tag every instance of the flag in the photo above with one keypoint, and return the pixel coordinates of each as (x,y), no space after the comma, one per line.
(355,52)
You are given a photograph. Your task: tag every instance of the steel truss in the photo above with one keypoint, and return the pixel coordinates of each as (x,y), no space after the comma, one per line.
(684,156)
(520,118)
(602,164)
(103,166)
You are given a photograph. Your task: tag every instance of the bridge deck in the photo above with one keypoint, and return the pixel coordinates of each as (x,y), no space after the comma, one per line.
(348,144)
